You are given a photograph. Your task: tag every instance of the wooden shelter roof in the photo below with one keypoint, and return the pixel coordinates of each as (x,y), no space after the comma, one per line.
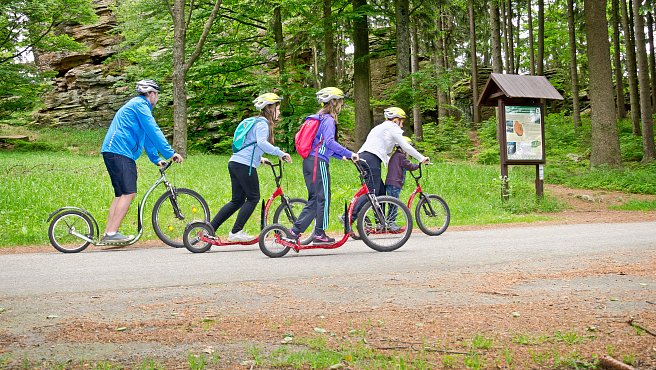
(516,86)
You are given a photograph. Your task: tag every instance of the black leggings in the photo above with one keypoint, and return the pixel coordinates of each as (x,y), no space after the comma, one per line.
(245,196)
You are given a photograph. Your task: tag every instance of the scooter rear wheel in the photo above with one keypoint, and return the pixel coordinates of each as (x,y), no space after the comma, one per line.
(192,234)
(62,226)
(270,243)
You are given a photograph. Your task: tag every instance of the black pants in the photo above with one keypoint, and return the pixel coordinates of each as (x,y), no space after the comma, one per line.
(318,204)
(245,196)
(373,178)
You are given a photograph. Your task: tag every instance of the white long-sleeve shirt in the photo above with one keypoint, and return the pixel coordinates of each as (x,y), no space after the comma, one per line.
(382,139)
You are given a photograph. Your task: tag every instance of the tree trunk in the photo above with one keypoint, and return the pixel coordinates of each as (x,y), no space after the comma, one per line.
(414,64)
(631,66)
(280,42)
(446,36)
(476,119)
(341,52)
(330,68)
(181,67)
(649,153)
(518,40)
(540,61)
(531,47)
(497,64)
(652,59)
(178,79)
(605,140)
(402,39)
(442,99)
(510,37)
(361,72)
(617,62)
(576,112)
(503,21)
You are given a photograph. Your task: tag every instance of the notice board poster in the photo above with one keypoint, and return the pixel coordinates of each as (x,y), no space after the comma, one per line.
(524,133)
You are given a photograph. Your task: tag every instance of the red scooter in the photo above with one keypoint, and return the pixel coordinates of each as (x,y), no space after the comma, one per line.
(373,223)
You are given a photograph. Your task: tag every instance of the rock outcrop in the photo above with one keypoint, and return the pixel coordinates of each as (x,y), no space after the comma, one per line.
(83,93)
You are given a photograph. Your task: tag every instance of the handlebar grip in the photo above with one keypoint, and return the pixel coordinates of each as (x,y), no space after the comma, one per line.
(166,166)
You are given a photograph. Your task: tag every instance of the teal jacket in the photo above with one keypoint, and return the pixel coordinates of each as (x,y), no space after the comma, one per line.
(134,129)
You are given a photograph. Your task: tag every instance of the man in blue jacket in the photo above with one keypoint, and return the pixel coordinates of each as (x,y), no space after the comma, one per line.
(132,130)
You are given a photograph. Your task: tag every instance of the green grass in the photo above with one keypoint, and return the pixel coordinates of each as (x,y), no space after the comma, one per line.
(37,183)
(636,205)
(63,167)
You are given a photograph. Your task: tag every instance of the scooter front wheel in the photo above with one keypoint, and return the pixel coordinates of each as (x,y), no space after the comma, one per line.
(193,234)
(172,212)
(62,229)
(270,240)
(387,226)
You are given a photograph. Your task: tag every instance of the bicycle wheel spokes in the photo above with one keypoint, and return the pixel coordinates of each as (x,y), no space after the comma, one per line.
(196,235)
(62,227)
(168,224)
(271,240)
(433,215)
(388,232)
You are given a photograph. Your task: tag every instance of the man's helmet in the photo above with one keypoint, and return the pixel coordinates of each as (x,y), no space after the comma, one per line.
(146,86)
(266,99)
(394,112)
(329,93)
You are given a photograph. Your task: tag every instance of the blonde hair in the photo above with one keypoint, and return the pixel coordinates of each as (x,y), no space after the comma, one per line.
(333,108)
(269,113)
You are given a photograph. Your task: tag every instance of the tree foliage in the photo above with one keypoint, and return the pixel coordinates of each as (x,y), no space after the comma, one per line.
(28,26)
(265,45)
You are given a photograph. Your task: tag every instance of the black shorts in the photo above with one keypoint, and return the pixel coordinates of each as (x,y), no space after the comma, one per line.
(123,173)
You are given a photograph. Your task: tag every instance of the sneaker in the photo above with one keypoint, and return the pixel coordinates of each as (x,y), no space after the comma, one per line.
(393,227)
(117,238)
(322,239)
(239,237)
(293,235)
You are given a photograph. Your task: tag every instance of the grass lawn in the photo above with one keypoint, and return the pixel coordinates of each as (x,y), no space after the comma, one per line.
(35,183)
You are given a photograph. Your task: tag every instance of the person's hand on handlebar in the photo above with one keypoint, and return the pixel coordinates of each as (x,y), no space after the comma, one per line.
(354,157)
(286,157)
(265,161)
(177,158)
(426,161)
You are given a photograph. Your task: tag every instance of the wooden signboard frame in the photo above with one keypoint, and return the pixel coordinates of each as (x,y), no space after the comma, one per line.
(520,115)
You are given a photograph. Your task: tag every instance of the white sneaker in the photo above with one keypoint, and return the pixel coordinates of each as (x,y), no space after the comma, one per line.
(239,236)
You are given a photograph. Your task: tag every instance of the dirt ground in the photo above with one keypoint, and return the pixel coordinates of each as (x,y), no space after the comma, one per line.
(550,317)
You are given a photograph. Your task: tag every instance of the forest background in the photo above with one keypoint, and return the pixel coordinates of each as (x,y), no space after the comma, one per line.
(431,58)
(213,57)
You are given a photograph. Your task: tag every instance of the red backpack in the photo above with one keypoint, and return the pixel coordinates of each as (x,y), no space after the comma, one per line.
(304,138)
(306,134)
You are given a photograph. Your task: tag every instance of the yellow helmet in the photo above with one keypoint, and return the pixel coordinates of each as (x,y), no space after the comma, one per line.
(266,99)
(329,93)
(394,112)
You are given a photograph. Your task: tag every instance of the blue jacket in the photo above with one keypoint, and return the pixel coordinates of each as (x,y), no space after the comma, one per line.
(251,155)
(134,129)
(329,147)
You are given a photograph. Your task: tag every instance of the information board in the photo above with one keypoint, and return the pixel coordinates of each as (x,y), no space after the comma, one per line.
(523,132)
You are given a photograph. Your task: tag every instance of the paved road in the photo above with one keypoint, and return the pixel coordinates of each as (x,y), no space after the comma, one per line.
(24,275)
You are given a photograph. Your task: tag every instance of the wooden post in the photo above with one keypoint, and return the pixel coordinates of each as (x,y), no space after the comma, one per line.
(501,135)
(539,180)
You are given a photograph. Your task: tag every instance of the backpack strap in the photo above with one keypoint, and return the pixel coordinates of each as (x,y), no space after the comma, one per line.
(253,144)
(316,151)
